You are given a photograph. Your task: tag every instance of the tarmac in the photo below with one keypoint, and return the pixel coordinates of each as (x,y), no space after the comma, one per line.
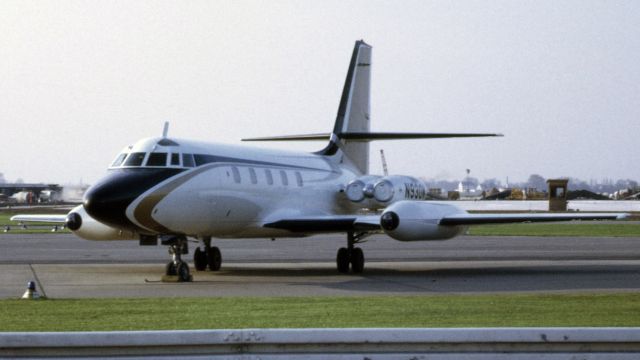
(65,266)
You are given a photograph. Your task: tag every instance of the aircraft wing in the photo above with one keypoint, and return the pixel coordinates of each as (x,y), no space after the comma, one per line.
(342,223)
(338,223)
(60,218)
(479,219)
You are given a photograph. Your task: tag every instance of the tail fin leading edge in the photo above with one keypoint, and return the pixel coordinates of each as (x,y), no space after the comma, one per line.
(354,110)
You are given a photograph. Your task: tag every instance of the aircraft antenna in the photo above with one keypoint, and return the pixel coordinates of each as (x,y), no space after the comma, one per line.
(165,130)
(385,171)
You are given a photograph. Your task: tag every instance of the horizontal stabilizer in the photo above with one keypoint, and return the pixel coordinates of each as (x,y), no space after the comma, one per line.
(370,136)
(479,219)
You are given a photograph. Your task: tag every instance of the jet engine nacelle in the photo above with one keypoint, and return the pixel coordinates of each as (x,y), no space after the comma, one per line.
(375,192)
(419,220)
(86,227)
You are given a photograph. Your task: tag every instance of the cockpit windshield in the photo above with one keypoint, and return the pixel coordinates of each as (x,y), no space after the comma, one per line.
(157,159)
(135,159)
(119,160)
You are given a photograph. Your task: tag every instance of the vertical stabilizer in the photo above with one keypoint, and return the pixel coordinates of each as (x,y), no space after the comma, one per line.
(349,140)
(353,112)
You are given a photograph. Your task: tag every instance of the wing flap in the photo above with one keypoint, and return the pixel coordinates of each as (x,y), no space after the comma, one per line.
(327,224)
(479,219)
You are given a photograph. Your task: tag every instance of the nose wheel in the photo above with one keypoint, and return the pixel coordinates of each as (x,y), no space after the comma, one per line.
(208,257)
(177,247)
(351,255)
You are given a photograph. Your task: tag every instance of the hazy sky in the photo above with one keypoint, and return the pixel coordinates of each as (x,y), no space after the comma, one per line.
(561,79)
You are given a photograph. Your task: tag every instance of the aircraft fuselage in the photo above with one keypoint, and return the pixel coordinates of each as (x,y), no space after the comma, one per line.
(229,191)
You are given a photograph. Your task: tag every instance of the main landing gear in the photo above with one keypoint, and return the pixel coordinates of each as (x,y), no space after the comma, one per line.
(209,257)
(177,247)
(351,255)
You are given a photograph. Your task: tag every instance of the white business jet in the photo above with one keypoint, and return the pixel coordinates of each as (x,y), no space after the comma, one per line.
(171,189)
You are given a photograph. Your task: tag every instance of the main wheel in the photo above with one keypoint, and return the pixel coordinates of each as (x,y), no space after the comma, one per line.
(342,260)
(214,258)
(183,272)
(200,259)
(357,260)
(170,269)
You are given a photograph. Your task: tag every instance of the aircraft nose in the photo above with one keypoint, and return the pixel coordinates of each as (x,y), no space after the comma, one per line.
(107,200)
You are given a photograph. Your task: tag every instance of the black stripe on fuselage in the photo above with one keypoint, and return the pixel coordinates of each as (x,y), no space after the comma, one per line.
(330,150)
(108,199)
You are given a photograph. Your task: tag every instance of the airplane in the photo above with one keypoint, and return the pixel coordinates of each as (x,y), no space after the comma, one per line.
(172,190)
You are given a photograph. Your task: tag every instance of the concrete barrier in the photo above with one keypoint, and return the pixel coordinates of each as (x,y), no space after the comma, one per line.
(392,343)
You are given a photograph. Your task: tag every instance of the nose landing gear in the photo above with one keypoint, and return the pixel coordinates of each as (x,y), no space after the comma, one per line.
(177,247)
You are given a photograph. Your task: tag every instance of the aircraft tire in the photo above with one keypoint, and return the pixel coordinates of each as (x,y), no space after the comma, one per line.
(357,260)
(200,259)
(170,269)
(214,258)
(342,260)
(183,272)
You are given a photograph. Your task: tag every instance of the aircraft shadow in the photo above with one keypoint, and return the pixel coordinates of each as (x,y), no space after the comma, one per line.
(455,279)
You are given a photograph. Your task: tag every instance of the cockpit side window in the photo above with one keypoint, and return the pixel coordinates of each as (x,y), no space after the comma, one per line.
(202,159)
(157,159)
(175,159)
(135,159)
(119,160)
(187,160)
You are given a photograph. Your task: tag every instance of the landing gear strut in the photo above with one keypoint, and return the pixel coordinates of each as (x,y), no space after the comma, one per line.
(177,247)
(209,257)
(351,255)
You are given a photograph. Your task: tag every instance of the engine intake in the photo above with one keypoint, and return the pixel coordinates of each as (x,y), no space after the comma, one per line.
(378,192)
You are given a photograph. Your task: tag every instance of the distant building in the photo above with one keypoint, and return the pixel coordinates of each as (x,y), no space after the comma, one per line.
(30,193)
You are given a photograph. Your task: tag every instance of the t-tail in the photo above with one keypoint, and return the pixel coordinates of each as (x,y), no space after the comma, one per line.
(349,141)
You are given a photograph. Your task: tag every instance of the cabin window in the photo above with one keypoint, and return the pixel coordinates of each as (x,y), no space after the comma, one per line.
(299,178)
(134,159)
(236,174)
(269,176)
(175,159)
(283,177)
(253,176)
(157,159)
(119,160)
(187,160)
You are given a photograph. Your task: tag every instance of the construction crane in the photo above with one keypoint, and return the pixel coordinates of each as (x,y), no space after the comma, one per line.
(384,163)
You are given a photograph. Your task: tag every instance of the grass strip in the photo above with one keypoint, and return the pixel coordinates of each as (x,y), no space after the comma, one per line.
(321,312)
(558,229)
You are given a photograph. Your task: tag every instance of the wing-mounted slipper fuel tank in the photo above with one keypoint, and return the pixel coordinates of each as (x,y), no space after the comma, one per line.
(419,220)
